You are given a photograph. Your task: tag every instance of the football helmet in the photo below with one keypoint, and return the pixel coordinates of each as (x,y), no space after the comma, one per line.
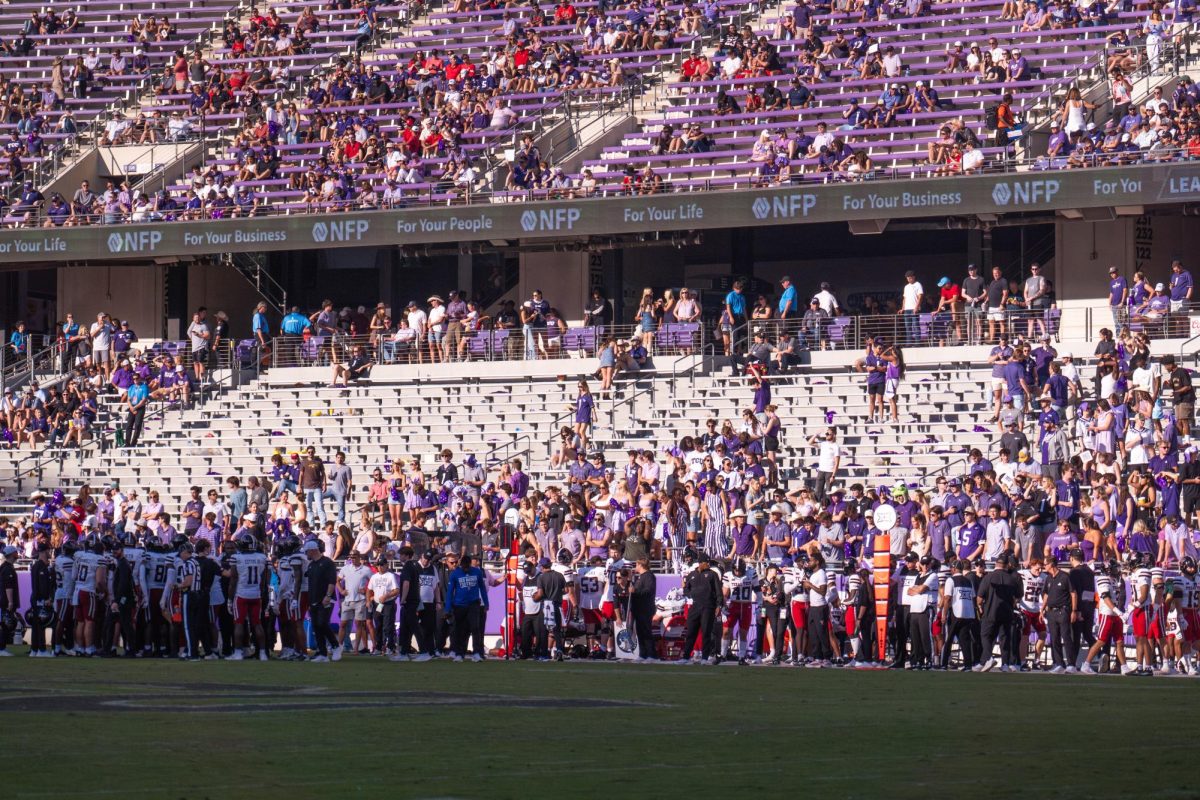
(110,542)
(689,555)
(1188,565)
(93,544)
(70,547)
(246,542)
(178,541)
(564,556)
(39,616)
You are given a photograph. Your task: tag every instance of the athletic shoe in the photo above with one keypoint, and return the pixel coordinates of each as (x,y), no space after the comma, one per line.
(477,658)
(989,665)
(319,660)
(1071,670)
(456,659)
(263,656)
(1057,670)
(213,657)
(237,656)
(1080,660)
(1129,669)
(1086,669)
(422,657)
(336,654)
(398,657)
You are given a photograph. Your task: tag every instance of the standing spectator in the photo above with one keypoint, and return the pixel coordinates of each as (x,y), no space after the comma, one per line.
(1037,300)
(734,312)
(1183,393)
(342,480)
(123,339)
(19,341)
(829,458)
(585,406)
(947,312)
(136,398)
(101,333)
(314,482)
(199,335)
(911,298)
(322,583)
(533,323)
(437,328)
(1118,296)
(260,326)
(974,294)
(997,298)
(788,306)
(598,311)
(826,299)
(875,366)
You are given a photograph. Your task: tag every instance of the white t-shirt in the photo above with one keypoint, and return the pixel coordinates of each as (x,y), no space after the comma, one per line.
(355,579)
(912,294)
(816,599)
(381,583)
(828,454)
(101,335)
(437,316)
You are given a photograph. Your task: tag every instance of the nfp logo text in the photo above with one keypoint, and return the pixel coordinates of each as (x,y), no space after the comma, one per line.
(1024,193)
(346,230)
(134,242)
(550,219)
(788,206)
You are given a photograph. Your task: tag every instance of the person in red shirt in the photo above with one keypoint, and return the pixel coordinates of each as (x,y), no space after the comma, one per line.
(948,311)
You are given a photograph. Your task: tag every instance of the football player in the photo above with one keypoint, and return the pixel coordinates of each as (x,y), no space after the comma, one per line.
(157,563)
(293,598)
(90,580)
(797,617)
(1183,596)
(1111,632)
(246,584)
(64,590)
(591,581)
(1032,581)
(739,585)
(1142,614)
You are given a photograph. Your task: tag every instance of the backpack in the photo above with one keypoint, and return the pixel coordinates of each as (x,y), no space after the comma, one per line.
(991,116)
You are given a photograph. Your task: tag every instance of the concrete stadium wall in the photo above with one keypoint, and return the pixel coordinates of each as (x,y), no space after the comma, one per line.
(134,293)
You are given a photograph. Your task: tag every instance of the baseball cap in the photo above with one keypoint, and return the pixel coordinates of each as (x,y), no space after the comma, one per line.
(10,551)
(311,544)
(544,563)
(943,281)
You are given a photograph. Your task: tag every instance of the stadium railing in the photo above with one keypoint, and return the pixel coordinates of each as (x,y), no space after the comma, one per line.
(435,194)
(487,344)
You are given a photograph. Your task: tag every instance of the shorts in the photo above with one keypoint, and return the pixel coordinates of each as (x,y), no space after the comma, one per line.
(851,621)
(100,356)
(354,609)
(1033,622)
(771,444)
(890,388)
(1143,623)
(247,610)
(1112,630)
(200,356)
(85,607)
(1189,621)
(799,614)
(607,611)
(738,615)
(935,626)
(995,314)
(1184,411)
(875,389)
(999,384)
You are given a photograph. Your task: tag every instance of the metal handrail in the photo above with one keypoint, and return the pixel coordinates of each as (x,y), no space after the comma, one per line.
(492,457)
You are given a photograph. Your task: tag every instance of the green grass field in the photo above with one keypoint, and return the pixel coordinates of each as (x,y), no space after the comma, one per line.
(371,728)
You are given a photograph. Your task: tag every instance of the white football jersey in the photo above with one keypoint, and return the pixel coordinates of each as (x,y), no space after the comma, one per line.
(250,568)
(1031,598)
(741,589)
(86,565)
(1142,579)
(592,583)
(1185,590)
(64,577)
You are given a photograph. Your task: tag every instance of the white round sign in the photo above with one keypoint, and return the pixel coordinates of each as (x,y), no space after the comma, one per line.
(885,518)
